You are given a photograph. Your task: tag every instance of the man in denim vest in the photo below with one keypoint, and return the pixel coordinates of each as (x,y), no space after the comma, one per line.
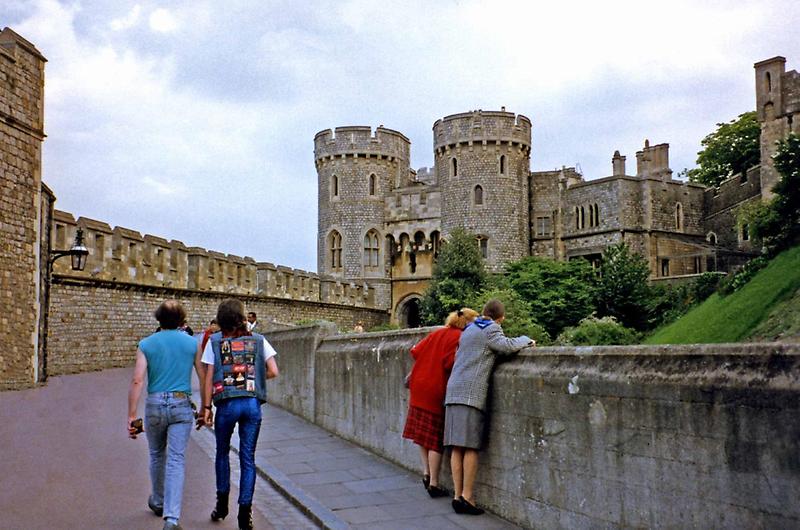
(238,365)
(167,358)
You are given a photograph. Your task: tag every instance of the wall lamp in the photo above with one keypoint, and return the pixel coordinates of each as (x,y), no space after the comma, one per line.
(78,253)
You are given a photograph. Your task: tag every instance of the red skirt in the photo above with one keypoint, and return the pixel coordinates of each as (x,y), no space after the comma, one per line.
(425,428)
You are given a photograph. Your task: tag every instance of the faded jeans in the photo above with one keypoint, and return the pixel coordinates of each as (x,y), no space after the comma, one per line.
(168,423)
(246,411)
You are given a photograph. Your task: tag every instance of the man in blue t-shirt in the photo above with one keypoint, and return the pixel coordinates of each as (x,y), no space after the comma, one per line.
(166,357)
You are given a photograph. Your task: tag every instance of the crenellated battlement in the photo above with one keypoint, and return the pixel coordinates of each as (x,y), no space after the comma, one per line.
(361,141)
(122,255)
(482,127)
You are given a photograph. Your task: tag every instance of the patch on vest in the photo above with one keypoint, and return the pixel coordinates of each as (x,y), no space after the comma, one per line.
(238,365)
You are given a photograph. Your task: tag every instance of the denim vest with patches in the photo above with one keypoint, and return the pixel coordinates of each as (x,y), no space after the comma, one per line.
(239,367)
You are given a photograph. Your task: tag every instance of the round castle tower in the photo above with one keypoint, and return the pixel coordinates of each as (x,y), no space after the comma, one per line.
(482,164)
(356,169)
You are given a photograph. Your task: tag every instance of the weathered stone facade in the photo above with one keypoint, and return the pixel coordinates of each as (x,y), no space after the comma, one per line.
(24,206)
(482,181)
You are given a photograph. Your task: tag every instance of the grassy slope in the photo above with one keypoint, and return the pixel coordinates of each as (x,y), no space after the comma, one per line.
(759,308)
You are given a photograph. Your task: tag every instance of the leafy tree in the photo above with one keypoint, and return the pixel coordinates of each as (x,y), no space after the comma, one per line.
(560,293)
(457,276)
(733,148)
(622,291)
(519,319)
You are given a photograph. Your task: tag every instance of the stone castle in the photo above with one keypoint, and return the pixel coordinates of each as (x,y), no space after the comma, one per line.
(381,223)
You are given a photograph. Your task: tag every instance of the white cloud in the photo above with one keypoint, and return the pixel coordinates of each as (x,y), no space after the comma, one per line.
(128,21)
(163,21)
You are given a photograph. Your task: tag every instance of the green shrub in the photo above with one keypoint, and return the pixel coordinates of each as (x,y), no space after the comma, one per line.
(745,274)
(593,331)
(384,327)
(705,285)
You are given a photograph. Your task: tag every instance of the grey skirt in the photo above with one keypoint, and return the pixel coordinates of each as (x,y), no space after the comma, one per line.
(463,426)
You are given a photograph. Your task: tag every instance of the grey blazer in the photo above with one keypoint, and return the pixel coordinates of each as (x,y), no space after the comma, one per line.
(475,358)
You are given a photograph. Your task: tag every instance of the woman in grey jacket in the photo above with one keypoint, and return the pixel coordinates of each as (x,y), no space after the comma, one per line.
(465,402)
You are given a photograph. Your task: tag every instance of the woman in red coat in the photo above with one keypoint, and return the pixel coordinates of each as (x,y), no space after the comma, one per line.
(433,360)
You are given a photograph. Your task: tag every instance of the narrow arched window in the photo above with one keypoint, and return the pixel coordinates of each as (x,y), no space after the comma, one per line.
(435,242)
(478,195)
(596,215)
(335,186)
(768,81)
(371,249)
(583,218)
(335,248)
(372,184)
(454,167)
(678,217)
(483,246)
(712,238)
(502,164)
(577,218)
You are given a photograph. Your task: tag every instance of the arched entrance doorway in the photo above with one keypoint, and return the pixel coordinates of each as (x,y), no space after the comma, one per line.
(408,312)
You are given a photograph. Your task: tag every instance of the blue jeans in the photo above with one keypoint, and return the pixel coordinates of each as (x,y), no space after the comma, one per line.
(168,423)
(246,411)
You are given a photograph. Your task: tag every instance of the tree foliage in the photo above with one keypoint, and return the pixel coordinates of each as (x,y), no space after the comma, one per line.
(592,331)
(622,291)
(560,293)
(519,315)
(733,148)
(457,276)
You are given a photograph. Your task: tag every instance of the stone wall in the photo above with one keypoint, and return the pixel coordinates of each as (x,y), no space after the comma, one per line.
(96,324)
(670,437)
(21,202)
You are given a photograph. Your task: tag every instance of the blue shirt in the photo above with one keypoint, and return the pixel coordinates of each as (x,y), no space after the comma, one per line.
(170,356)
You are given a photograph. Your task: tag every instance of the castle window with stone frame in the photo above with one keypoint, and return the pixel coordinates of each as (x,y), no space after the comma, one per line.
(453,167)
(483,246)
(335,246)
(678,217)
(371,250)
(712,238)
(664,267)
(768,81)
(543,226)
(334,186)
(502,164)
(580,218)
(372,180)
(435,242)
(478,195)
(594,215)
(745,232)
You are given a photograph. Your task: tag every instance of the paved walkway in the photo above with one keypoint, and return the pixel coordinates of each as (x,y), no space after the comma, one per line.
(67,463)
(345,486)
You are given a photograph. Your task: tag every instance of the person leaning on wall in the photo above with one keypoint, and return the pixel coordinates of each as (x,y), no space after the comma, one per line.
(465,401)
(427,382)
(238,365)
(166,358)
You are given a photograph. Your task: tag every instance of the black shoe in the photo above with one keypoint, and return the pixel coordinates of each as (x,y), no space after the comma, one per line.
(245,517)
(458,505)
(469,508)
(426,481)
(172,526)
(436,491)
(158,510)
(221,509)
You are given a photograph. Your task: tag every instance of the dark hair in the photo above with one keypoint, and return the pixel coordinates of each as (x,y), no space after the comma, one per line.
(494,309)
(230,316)
(170,314)
(252,313)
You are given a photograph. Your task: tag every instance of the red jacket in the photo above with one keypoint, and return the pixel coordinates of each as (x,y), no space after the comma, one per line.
(433,360)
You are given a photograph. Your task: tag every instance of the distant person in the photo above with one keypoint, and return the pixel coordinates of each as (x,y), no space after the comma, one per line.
(433,360)
(212,328)
(166,358)
(359,327)
(252,322)
(186,329)
(465,401)
(239,363)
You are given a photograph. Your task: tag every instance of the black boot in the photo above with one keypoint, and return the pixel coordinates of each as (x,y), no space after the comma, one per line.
(221,509)
(245,517)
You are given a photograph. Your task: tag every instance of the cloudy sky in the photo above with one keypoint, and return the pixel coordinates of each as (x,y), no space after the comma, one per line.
(194,120)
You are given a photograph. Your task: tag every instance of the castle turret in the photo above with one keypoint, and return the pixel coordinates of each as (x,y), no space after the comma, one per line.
(356,168)
(777,103)
(482,165)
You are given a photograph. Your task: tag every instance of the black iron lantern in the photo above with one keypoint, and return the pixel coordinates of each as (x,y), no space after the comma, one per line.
(77,253)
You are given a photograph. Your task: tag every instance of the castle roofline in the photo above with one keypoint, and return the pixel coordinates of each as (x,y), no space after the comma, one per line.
(636,179)
(489,113)
(9,35)
(333,133)
(777,58)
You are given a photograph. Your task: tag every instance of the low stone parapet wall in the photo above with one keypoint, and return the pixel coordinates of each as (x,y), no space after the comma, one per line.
(644,436)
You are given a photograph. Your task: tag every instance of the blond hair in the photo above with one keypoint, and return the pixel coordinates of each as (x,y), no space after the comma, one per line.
(459,319)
